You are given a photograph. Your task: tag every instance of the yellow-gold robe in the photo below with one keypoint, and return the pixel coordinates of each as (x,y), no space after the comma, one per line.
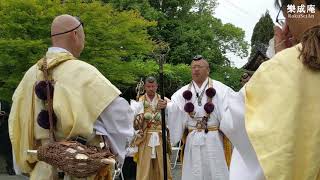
(282,117)
(81,93)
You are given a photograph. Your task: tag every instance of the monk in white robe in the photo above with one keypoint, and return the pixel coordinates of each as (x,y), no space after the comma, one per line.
(191,109)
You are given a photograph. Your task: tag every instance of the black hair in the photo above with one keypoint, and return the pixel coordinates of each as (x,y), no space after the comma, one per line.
(150,79)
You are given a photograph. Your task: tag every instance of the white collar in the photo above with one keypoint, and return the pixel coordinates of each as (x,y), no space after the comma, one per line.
(149,99)
(203,85)
(56,50)
(154,100)
(52,51)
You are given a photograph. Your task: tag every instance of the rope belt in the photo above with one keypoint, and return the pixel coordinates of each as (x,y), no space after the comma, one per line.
(154,130)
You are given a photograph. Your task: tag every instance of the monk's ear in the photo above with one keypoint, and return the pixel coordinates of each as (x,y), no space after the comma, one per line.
(74,35)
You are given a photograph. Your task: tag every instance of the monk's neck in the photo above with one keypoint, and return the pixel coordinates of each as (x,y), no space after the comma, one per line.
(199,83)
(151,97)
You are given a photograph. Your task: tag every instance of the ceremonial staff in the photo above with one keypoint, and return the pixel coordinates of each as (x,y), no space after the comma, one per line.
(139,89)
(160,51)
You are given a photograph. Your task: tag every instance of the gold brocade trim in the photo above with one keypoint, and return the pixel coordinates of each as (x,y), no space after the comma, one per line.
(149,109)
(212,128)
(154,130)
(227,146)
(56,61)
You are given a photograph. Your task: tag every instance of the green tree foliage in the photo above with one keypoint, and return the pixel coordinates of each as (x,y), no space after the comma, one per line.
(111,36)
(193,30)
(262,32)
(119,39)
(205,35)
(190,29)
(126,74)
(227,75)
(15,58)
(143,6)
(205,6)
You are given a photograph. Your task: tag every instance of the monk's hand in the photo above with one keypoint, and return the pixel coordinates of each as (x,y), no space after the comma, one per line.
(139,133)
(162,104)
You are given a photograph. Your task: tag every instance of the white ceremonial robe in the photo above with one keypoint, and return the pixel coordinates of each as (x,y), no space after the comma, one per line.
(244,162)
(204,157)
(115,122)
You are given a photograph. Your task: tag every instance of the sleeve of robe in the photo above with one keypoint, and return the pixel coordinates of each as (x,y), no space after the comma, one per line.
(244,163)
(177,118)
(116,123)
(282,117)
(137,107)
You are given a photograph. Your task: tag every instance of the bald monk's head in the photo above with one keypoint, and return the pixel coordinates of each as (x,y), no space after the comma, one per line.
(67,32)
(200,70)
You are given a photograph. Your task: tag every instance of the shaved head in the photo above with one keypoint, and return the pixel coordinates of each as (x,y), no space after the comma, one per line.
(63,23)
(67,32)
